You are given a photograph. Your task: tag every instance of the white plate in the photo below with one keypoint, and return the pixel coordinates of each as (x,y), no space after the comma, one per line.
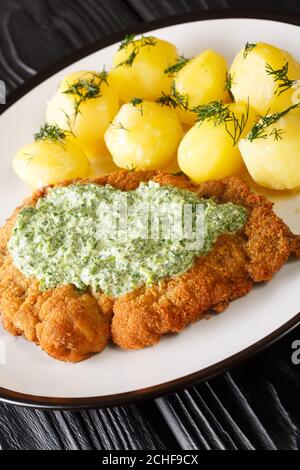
(28,375)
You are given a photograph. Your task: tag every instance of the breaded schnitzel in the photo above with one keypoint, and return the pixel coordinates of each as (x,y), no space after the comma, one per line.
(71,325)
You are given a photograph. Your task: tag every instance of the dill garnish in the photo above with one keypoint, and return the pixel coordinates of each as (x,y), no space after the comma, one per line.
(130,59)
(167,100)
(259,130)
(215,111)
(137,102)
(130,40)
(281,75)
(85,89)
(220,113)
(228,84)
(174,100)
(177,66)
(248,48)
(277,134)
(50,132)
(29,157)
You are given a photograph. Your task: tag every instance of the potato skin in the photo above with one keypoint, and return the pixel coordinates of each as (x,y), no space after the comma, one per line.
(275,163)
(145,77)
(250,79)
(144,137)
(202,80)
(93,118)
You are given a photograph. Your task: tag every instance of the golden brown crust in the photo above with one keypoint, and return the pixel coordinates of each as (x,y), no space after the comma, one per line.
(142,316)
(70,326)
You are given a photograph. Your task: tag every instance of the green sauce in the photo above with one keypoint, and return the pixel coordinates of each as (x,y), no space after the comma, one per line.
(69,238)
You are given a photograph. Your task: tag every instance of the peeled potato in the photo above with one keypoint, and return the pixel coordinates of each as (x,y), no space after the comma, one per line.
(103,167)
(274,161)
(251,80)
(144,136)
(172,167)
(202,80)
(49,162)
(93,116)
(145,77)
(209,152)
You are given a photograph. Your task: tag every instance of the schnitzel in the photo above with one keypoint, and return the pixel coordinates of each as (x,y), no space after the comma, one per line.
(72,324)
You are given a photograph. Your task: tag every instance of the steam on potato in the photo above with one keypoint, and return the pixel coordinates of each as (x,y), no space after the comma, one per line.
(85,104)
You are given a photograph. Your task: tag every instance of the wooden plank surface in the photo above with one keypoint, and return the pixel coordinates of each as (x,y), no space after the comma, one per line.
(255,406)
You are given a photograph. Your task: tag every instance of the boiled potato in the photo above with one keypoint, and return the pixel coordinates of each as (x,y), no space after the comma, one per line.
(144,136)
(87,117)
(103,167)
(208,151)
(259,73)
(172,167)
(50,160)
(273,160)
(202,80)
(144,77)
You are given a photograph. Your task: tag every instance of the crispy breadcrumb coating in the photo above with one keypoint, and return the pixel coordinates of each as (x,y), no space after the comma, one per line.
(71,325)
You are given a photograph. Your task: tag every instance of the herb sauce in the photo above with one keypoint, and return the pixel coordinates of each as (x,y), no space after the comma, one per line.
(67,238)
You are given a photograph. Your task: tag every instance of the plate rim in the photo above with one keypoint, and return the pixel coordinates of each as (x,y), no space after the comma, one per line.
(35,401)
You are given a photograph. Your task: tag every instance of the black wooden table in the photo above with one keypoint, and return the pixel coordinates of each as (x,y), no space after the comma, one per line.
(255,406)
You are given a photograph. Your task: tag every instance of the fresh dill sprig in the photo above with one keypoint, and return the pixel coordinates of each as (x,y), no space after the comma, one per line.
(281,75)
(167,100)
(220,113)
(131,168)
(50,132)
(177,66)
(138,102)
(69,123)
(130,40)
(174,99)
(130,59)
(239,124)
(277,134)
(85,89)
(215,111)
(228,84)
(29,157)
(259,130)
(181,99)
(148,41)
(248,48)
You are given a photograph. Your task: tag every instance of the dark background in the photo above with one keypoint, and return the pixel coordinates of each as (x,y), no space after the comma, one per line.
(255,406)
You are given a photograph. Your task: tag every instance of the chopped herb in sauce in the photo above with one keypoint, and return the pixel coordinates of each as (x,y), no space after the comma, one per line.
(62,240)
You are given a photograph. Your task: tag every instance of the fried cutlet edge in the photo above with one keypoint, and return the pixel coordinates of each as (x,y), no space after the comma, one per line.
(71,326)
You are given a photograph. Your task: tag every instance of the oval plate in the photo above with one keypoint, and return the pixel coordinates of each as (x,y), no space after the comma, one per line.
(27,375)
